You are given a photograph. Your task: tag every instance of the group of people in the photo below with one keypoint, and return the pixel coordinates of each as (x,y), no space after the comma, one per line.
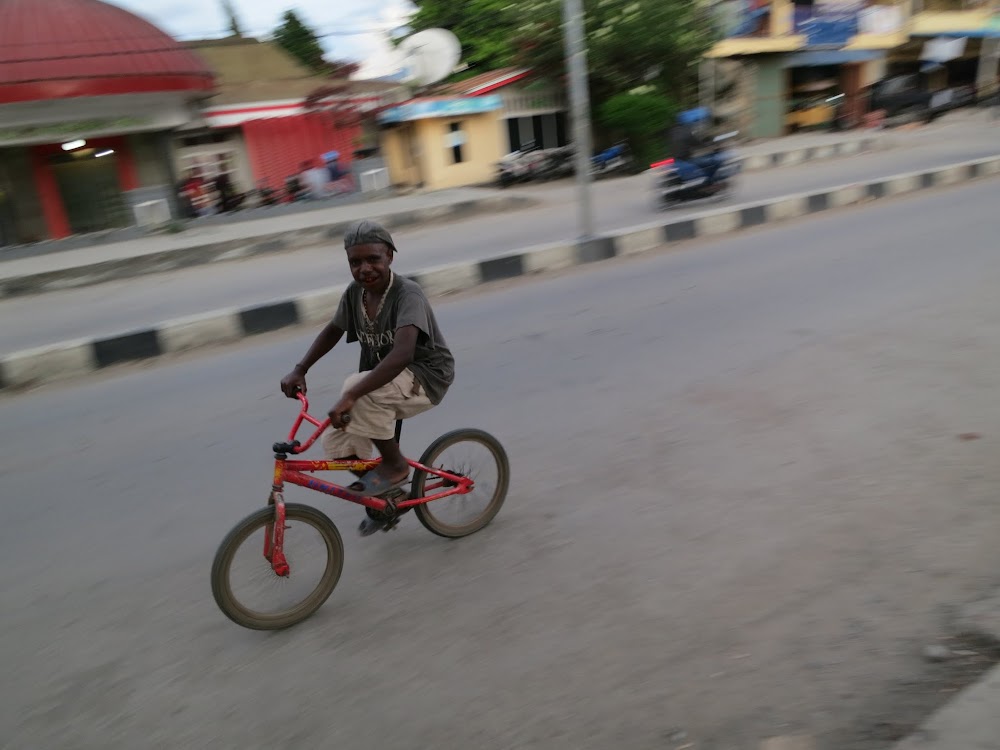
(318,179)
(204,196)
(199,196)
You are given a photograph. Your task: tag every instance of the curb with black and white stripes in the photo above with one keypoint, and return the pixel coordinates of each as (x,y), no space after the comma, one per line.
(248,247)
(792,157)
(74,358)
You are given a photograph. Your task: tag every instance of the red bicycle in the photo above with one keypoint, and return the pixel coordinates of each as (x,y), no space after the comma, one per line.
(296,553)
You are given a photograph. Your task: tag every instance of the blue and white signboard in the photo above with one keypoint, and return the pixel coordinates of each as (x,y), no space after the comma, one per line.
(423,109)
(828,23)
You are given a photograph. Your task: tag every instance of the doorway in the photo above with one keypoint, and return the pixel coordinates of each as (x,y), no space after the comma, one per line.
(90,192)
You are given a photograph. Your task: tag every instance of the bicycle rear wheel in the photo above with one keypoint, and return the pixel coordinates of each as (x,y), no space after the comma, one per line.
(315,554)
(468,453)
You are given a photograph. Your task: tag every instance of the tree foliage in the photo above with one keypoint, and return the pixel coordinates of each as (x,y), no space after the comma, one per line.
(300,41)
(630,44)
(647,48)
(640,117)
(486,28)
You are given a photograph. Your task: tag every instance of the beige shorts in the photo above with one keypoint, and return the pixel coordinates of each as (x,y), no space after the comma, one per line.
(374,416)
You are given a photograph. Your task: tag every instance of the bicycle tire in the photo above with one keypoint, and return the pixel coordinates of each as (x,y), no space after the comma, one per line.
(246,617)
(424,512)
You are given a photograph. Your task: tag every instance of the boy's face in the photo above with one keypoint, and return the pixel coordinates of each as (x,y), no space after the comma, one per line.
(370,265)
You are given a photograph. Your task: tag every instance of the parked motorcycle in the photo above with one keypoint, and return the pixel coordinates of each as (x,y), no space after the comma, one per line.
(615,160)
(534,165)
(680,181)
(558,163)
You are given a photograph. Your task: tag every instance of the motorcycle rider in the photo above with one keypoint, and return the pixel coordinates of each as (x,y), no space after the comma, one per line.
(693,143)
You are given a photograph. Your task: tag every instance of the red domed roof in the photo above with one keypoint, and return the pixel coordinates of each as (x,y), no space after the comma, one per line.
(56,49)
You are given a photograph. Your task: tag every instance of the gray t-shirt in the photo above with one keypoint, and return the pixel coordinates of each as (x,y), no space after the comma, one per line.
(406,305)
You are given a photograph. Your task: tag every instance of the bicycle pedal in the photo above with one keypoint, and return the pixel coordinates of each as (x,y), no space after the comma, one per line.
(390,525)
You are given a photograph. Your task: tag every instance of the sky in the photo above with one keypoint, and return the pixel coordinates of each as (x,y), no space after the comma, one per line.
(191,19)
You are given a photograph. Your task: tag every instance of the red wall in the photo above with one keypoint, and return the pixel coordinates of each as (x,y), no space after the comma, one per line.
(277,146)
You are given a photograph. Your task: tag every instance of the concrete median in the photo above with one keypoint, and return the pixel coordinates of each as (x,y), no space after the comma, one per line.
(27,368)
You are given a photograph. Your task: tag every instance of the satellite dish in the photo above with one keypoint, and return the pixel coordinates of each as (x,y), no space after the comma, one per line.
(429,56)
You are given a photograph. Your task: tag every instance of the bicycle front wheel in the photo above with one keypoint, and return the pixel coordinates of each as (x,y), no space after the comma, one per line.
(247,589)
(468,453)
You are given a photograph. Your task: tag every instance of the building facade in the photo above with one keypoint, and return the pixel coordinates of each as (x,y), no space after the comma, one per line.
(793,56)
(435,143)
(100,111)
(260,126)
(532,112)
(456,135)
(89,95)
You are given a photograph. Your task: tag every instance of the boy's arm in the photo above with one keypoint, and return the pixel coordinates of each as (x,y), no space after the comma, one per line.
(295,381)
(400,356)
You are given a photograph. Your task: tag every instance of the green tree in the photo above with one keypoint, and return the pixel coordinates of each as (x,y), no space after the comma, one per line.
(486,29)
(642,54)
(300,41)
(229,11)
(630,44)
(640,117)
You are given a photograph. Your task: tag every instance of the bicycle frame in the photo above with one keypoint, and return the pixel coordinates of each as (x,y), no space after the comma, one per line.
(298,472)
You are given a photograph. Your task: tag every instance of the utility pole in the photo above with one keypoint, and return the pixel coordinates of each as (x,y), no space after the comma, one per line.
(576,63)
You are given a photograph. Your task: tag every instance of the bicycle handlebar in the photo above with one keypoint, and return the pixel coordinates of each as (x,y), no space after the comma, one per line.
(305,416)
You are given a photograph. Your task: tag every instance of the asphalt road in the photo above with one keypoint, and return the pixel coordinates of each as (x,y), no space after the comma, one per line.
(739,510)
(114,307)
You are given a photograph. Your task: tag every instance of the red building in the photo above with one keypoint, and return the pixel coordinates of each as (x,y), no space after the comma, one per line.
(101,111)
(88,96)
(258,124)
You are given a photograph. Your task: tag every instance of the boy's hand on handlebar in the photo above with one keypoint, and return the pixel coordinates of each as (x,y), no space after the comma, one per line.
(340,414)
(293,382)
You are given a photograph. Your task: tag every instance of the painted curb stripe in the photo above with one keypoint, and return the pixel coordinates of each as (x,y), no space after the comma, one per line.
(680,231)
(128,347)
(818,202)
(270,317)
(498,269)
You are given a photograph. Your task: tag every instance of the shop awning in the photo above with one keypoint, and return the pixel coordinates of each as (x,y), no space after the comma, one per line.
(422,109)
(743,46)
(975,24)
(820,58)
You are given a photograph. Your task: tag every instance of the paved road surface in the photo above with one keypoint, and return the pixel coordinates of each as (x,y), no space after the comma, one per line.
(110,308)
(738,510)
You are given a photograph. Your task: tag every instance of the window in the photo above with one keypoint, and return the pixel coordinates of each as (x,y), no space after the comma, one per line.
(513,135)
(456,140)
(209,162)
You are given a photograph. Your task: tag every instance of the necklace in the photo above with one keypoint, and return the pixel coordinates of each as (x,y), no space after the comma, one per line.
(369,323)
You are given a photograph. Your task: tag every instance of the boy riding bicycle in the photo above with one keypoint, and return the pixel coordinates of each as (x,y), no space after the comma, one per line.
(406,367)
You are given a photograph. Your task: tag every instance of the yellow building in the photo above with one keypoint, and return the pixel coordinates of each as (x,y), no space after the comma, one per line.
(795,55)
(440,142)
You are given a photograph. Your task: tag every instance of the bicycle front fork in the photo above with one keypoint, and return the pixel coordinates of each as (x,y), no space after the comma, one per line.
(274,536)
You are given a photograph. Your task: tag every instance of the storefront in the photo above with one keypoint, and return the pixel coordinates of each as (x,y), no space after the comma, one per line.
(438,143)
(102,111)
(532,113)
(259,127)
(84,134)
